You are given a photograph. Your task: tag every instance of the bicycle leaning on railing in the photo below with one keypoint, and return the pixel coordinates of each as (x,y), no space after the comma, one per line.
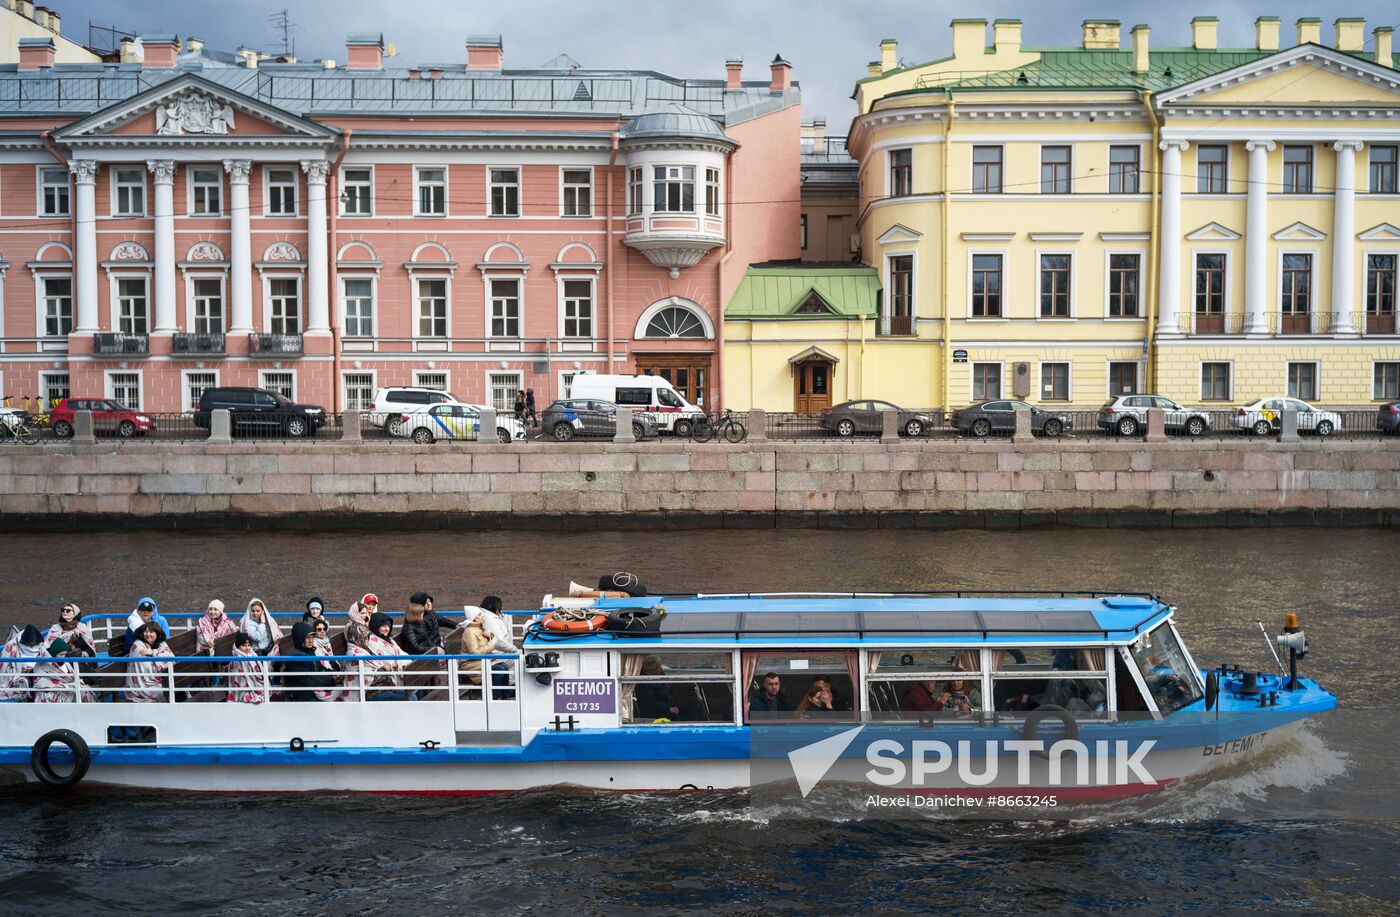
(727,427)
(15,425)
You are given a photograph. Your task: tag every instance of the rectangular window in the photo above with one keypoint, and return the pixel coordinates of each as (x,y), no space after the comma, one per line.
(1383,169)
(1210,284)
(503,387)
(125,388)
(803,231)
(566,385)
(677,688)
(359,391)
(208,305)
(434,380)
(55,387)
(505,192)
(902,286)
(1302,381)
(131,305)
(901,173)
(1212,169)
(1296,285)
(1387,382)
(1054,170)
(635,190)
(53,193)
(58,305)
(206,185)
(1054,286)
(578,193)
(128,192)
(986,381)
(432,308)
(1215,381)
(578,308)
(1297,169)
(986,169)
(1124,169)
(359,307)
(1380,293)
(1122,379)
(195,386)
(283,383)
(1054,382)
(1124,274)
(986,286)
(712,192)
(282,192)
(505,308)
(673,189)
(430,195)
(357,192)
(285,314)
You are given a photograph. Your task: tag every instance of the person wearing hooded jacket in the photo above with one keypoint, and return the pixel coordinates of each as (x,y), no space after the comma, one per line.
(146,610)
(376,640)
(304,674)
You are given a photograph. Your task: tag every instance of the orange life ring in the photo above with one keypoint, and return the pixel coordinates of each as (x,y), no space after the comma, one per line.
(558,625)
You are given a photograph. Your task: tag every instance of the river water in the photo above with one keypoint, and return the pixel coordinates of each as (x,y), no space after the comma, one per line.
(1313,829)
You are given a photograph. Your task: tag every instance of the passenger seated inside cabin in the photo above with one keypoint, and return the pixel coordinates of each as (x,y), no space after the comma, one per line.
(818,700)
(920,697)
(147,682)
(1073,678)
(681,687)
(655,701)
(769,697)
(840,703)
(305,676)
(71,629)
(261,626)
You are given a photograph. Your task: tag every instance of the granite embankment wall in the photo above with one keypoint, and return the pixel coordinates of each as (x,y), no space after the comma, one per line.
(906,484)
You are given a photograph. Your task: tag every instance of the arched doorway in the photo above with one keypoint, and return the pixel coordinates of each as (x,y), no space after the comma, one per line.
(813,375)
(669,336)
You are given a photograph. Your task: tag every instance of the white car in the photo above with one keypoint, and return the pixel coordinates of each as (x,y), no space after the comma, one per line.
(1126,415)
(452,421)
(392,402)
(1265,416)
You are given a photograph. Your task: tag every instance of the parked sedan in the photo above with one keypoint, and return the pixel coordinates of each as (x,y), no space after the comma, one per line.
(108,416)
(1388,418)
(854,417)
(568,418)
(1127,414)
(988,417)
(453,421)
(1265,416)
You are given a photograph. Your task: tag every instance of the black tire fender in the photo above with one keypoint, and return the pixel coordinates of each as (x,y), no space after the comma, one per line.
(1049,712)
(39,758)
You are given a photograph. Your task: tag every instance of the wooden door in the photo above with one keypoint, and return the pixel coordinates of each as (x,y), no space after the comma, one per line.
(812,386)
(688,375)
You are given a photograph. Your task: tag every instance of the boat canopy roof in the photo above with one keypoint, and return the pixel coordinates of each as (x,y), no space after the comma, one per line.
(881,619)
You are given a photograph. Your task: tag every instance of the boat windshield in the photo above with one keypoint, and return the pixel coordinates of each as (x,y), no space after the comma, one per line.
(1164,667)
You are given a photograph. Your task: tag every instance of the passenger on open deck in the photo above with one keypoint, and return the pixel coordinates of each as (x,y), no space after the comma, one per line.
(476,641)
(356,625)
(25,643)
(419,635)
(322,627)
(495,623)
(261,626)
(315,608)
(211,627)
(306,677)
(55,678)
(146,610)
(247,681)
(146,681)
(432,620)
(71,630)
(380,674)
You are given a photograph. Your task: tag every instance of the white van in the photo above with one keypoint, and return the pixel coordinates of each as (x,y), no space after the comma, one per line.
(651,395)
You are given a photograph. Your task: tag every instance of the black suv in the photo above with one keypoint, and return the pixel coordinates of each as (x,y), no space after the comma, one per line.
(257,411)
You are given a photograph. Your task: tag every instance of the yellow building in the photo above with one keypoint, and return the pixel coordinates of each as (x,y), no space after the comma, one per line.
(1214,225)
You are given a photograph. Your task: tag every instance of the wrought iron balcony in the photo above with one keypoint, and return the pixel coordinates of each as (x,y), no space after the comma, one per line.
(274,345)
(198,343)
(114,344)
(895,326)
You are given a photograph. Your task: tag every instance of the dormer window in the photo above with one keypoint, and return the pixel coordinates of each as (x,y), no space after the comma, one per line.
(674,189)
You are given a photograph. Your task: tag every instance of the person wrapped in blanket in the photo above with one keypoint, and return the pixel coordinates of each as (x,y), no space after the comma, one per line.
(384,676)
(258,624)
(214,625)
(147,682)
(21,651)
(305,675)
(247,678)
(55,679)
(72,631)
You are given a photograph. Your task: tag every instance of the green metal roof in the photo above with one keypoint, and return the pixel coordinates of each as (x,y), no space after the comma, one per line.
(777,292)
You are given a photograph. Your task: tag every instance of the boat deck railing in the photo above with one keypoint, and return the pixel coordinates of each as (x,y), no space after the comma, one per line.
(108,625)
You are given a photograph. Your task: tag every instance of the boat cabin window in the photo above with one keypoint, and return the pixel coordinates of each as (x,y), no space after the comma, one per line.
(918,682)
(677,688)
(796,686)
(1025,678)
(1163,665)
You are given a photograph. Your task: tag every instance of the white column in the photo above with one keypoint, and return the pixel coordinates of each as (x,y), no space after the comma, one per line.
(318,313)
(85,176)
(164,172)
(1256,238)
(1344,235)
(1169,273)
(240,269)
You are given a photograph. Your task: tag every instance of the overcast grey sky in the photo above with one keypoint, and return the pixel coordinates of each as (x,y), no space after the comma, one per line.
(827,42)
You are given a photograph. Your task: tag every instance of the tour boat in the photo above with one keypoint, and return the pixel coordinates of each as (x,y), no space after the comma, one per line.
(1077,694)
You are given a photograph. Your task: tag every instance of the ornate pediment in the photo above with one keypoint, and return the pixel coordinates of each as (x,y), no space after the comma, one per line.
(194,112)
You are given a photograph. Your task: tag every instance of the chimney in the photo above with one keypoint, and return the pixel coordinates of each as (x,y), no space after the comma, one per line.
(249,56)
(194,45)
(734,73)
(1100,34)
(873,68)
(1140,55)
(1203,31)
(1383,35)
(1351,34)
(55,22)
(1310,31)
(1006,36)
(782,74)
(969,38)
(127,53)
(160,51)
(889,55)
(41,16)
(25,8)
(485,52)
(819,131)
(364,51)
(36,53)
(434,73)
(1266,33)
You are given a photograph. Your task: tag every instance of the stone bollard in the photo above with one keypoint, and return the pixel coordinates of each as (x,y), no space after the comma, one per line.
(757,425)
(1156,425)
(889,426)
(220,426)
(82,428)
(1288,427)
(486,428)
(350,431)
(1023,428)
(624,427)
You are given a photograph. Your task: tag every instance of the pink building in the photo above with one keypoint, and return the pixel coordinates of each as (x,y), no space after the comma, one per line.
(198,218)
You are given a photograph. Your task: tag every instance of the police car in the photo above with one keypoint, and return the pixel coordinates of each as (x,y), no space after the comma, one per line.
(453,421)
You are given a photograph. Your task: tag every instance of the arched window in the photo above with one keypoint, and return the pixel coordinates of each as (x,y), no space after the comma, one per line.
(675,322)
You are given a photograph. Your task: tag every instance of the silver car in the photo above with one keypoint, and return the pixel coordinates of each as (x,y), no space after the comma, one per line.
(1126,415)
(1264,417)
